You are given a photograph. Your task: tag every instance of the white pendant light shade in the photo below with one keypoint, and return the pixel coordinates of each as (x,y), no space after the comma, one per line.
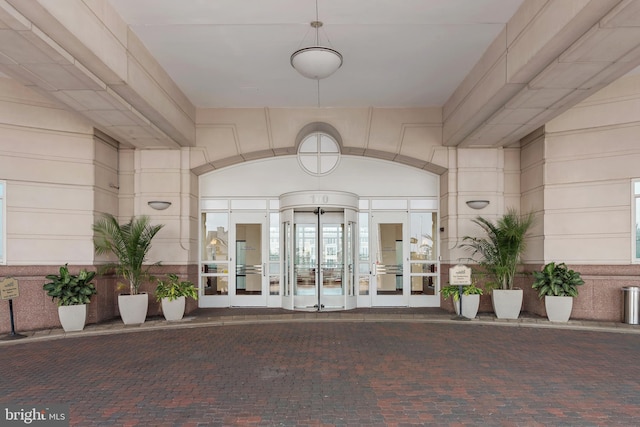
(316,62)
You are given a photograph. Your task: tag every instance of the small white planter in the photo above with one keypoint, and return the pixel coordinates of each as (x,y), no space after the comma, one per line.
(72,317)
(470,305)
(507,303)
(133,308)
(558,308)
(173,310)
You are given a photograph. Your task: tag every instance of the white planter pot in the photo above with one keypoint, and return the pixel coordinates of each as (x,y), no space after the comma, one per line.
(507,303)
(72,317)
(173,310)
(558,308)
(470,304)
(133,308)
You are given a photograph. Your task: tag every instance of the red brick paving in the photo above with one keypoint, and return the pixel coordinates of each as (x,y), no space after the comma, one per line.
(333,374)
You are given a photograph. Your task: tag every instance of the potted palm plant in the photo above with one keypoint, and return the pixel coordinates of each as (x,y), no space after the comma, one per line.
(172,293)
(130,243)
(73,292)
(499,254)
(470,299)
(558,285)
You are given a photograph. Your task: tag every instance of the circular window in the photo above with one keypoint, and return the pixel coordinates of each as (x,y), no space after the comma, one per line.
(318,153)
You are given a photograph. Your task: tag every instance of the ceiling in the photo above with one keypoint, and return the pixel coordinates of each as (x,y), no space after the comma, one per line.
(397,53)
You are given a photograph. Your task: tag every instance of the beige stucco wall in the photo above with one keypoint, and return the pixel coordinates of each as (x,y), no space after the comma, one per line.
(591,155)
(47,157)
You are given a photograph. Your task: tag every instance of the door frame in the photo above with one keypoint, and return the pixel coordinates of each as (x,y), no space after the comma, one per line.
(260,218)
(389,217)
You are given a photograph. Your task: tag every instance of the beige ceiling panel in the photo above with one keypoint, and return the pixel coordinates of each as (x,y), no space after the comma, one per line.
(86,77)
(21,50)
(26,77)
(626,14)
(103,118)
(514,116)
(59,76)
(48,46)
(134,132)
(608,75)
(11,18)
(490,134)
(496,51)
(522,18)
(536,98)
(571,99)
(63,96)
(4,59)
(565,75)
(603,45)
(81,32)
(556,27)
(87,100)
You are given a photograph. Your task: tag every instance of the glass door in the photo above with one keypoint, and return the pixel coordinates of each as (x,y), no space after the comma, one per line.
(248,284)
(319,270)
(389,281)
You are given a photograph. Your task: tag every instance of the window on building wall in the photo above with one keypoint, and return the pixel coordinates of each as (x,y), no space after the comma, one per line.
(3,216)
(636,208)
(318,154)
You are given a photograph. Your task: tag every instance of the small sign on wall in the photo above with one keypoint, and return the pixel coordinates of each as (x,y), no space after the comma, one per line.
(9,288)
(460,275)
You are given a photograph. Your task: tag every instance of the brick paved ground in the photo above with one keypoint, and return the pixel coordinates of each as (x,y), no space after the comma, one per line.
(333,374)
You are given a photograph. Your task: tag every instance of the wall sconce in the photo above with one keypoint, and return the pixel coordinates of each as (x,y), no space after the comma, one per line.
(478,204)
(159,205)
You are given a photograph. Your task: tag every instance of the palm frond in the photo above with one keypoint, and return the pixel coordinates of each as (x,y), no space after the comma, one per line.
(499,251)
(129,242)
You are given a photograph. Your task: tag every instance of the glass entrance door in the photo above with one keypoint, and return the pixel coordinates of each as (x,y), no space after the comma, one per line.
(248,279)
(390,283)
(319,270)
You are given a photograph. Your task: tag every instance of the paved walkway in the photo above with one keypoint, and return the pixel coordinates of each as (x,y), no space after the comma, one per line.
(364,368)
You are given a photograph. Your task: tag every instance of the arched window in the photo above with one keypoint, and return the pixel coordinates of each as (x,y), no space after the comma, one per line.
(318,153)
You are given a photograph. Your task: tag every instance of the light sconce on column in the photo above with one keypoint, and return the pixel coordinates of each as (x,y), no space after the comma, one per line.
(478,204)
(159,205)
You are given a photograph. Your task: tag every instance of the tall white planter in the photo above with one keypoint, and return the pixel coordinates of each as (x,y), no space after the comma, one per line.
(173,310)
(506,303)
(470,305)
(558,308)
(133,308)
(72,317)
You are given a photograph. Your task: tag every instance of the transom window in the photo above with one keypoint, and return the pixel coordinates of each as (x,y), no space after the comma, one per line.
(318,153)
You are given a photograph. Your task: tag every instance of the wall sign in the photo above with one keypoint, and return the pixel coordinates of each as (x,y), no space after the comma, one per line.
(460,275)
(9,288)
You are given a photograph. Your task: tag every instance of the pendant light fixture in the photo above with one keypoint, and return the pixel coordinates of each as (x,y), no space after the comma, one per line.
(316,62)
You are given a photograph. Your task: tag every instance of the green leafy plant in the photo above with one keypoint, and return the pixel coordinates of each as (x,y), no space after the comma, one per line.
(453,291)
(501,249)
(130,243)
(173,288)
(70,289)
(557,280)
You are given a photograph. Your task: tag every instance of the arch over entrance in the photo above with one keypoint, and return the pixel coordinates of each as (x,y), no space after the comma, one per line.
(362,235)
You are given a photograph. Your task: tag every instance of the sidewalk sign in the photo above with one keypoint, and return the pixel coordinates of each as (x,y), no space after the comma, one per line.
(8,291)
(460,275)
